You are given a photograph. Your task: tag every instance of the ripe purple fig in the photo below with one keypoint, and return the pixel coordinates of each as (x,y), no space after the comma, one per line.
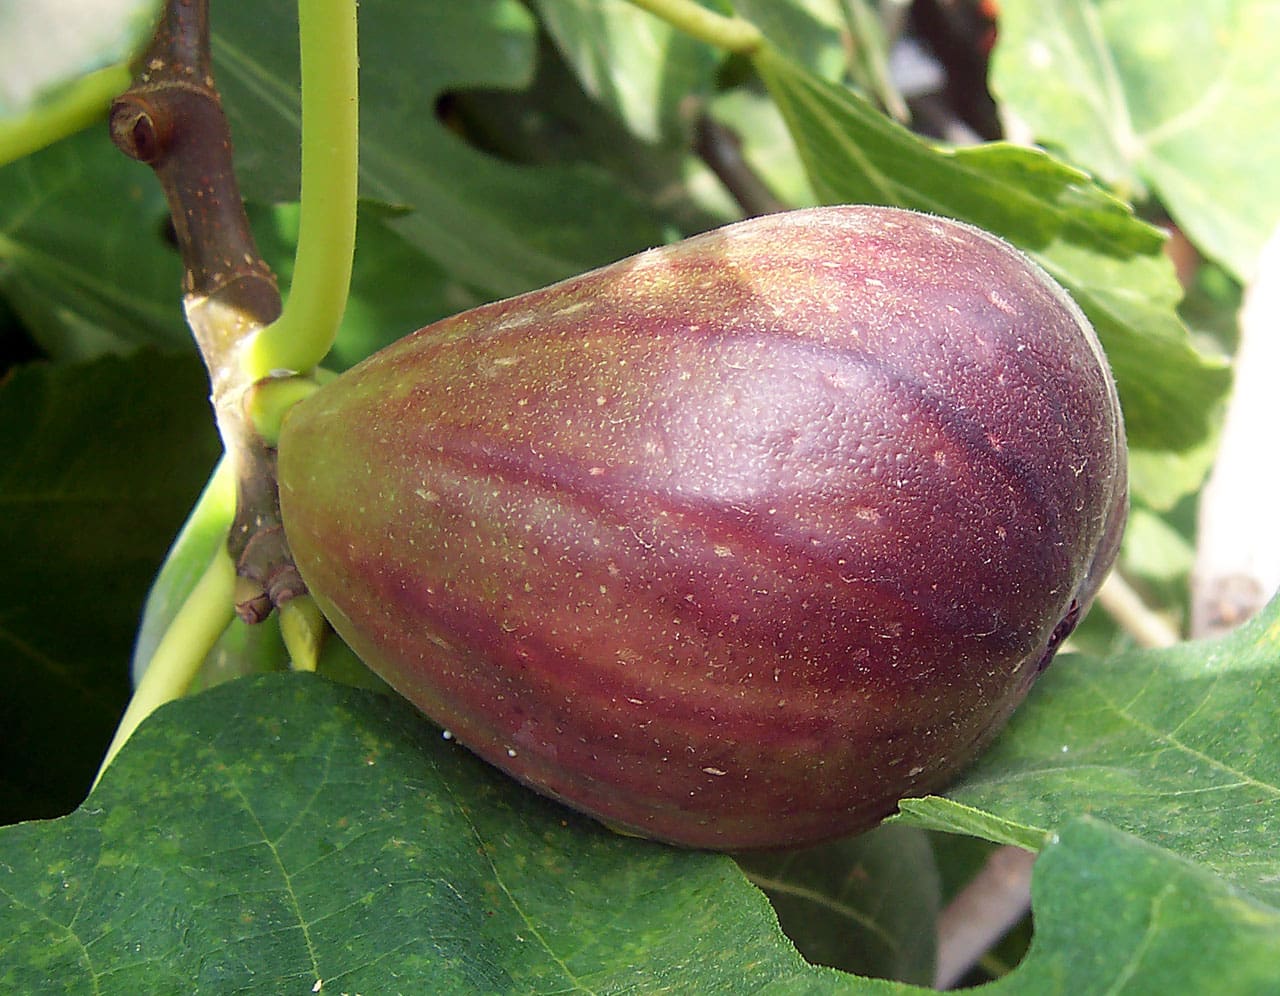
(734,543)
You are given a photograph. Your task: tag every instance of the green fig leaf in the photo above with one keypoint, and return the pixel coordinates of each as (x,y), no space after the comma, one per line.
(1169,96)
(1175,746)
(811,32)
(555,122)
(636,65)
(89,274)
(494,226)
(1115,914)
(1091,243)
(101,462)
(862,904)
(283,833)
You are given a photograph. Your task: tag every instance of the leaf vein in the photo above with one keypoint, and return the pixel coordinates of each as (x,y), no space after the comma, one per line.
(483,849)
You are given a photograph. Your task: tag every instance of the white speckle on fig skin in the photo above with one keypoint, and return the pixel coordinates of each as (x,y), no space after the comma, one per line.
(790,500)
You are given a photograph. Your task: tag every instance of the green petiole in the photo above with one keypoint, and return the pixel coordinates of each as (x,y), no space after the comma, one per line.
(188,558)
(299,339)
(732,34)
(195,628)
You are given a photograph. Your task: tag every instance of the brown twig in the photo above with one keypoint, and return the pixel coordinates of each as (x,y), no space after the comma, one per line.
(172,120)
(721,150)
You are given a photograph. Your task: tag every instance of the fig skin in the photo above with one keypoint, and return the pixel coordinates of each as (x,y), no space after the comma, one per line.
(733,543)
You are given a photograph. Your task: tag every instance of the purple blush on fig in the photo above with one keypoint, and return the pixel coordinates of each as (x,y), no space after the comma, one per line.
(731,544)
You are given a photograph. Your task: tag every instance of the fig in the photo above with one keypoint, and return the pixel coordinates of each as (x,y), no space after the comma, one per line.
(731,544)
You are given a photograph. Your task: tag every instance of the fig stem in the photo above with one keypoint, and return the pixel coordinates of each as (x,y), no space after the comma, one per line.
(171,118)
(83,103)
(299,339)
(268,401)
(730,33)
(191,635)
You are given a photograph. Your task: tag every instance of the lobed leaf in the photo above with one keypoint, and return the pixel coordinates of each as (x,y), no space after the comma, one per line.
(1115,914)
(284,833)
(636,65)
(281,833)
(1171,95)
(494,226)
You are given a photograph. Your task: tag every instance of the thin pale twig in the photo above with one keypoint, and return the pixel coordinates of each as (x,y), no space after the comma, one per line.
(982,913)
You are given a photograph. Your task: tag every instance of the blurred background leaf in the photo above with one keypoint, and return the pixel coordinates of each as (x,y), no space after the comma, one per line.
(646,73)
(102,461)
(89,274)
(495,226)
(1174,98)
(811,32)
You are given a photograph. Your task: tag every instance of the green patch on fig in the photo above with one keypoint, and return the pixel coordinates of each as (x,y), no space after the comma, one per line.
(734,543)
